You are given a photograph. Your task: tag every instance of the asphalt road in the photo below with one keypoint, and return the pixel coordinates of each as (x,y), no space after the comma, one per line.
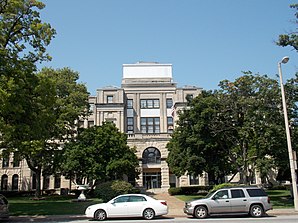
(244,219)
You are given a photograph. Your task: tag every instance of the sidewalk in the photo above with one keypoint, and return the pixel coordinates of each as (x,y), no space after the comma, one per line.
(176,207)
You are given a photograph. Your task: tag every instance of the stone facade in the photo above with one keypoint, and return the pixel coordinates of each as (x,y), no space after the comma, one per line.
(145,107)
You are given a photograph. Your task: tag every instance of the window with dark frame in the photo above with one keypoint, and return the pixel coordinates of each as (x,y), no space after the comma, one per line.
(129,103)
(57,181)
(170,123)
(5,160)
(169,103)
(110,99)
(4,182)
(46,182)
(15,182)
(130,125)
(16,159)
(151,155)
(150,103)
(150,125)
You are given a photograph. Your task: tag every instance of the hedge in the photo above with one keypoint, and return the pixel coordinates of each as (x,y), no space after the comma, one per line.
(202,190)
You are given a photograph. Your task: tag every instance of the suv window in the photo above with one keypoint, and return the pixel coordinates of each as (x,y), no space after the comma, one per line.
(237,193)
(256,193)
(223,194)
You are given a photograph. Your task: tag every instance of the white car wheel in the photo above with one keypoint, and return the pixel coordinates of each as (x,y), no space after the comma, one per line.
(148,214)
(100,215)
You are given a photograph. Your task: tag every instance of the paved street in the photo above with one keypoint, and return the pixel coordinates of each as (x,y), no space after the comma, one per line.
(244,219)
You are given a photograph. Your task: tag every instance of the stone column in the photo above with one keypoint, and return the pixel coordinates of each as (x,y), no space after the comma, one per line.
(165,176)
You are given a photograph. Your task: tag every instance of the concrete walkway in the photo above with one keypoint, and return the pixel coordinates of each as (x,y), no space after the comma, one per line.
(175,205)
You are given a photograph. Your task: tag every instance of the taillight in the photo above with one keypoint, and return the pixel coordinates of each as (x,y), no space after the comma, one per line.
(164,203)
(268,200)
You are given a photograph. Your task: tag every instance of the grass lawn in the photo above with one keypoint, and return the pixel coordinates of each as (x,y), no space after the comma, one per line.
(278,198)
(51,205)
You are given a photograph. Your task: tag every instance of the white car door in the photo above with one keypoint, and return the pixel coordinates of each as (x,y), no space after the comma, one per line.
(118,207)
(136,205)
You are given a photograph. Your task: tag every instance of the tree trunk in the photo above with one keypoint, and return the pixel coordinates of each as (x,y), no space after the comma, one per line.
(244,154)
(38,183)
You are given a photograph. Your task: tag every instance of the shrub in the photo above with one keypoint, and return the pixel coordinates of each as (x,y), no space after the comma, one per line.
(191,190)
(175,191)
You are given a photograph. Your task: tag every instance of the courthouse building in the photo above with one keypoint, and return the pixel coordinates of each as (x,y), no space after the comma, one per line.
(145,108)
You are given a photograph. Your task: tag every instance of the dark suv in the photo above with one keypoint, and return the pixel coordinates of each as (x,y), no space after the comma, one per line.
(232,200)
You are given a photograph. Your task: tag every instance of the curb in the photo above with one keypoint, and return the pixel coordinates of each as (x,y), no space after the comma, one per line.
(65,218)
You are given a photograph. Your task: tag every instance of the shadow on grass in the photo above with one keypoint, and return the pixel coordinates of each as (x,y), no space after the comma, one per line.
(49,207)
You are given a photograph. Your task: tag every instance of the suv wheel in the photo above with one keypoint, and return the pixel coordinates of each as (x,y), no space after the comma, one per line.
(256,210)
(201,212)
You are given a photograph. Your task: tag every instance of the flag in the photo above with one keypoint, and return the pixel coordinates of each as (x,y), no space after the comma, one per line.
(173,110)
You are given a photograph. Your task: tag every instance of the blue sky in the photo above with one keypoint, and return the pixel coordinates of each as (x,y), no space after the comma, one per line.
(205,41)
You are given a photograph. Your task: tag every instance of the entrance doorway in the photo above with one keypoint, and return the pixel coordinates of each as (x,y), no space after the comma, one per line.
(152,180)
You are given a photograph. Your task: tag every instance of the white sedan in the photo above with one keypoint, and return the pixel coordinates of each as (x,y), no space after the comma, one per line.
(128,205)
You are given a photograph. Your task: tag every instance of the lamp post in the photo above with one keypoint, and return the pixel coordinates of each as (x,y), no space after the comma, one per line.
(290,151)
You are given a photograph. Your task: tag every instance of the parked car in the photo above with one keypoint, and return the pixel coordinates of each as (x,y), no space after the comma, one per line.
(4,212)
(128,205)
(232,200)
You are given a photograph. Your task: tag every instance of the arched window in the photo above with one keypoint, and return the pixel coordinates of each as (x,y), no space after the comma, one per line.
(151,155)
(4,182)
(15,182)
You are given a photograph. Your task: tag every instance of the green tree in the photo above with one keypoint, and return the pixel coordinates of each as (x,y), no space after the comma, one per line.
(23,41)
(22,33)
(240,126)
(193,147)
(59,102)
(290,39)
(47,120)
(99,154)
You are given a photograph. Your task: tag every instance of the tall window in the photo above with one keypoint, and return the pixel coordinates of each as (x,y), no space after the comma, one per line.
(149,103)
(46,182)
(57,181)
(110,99)
(4,182)
(129,103)
(15,182)
(170,124)
(16,159)
(169,102)
(150,125)
(129,125)
(5,159)
(193,180)
(151,155)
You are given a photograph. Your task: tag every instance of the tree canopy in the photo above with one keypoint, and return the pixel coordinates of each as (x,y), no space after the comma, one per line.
(22,33)
(291,38)
(99,154)
(238,128)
